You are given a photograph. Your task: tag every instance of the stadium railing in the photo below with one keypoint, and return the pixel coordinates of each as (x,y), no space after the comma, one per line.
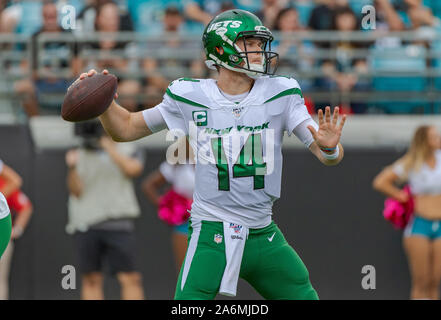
(404,79)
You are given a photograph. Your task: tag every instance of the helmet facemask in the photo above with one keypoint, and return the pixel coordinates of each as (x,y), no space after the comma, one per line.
(270,59)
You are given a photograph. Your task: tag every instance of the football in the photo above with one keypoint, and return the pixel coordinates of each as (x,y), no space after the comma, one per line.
(89,98)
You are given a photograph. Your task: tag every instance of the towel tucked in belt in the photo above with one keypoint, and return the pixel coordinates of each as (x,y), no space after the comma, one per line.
(235,236)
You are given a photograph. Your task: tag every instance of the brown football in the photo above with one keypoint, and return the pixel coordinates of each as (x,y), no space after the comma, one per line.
(89,98)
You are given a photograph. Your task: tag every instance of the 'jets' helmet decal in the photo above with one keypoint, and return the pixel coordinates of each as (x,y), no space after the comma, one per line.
(220,40)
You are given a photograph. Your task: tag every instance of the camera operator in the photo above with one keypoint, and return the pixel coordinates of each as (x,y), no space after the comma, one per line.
(102,207)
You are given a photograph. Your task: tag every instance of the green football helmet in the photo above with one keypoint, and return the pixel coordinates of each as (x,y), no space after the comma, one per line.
(220,40)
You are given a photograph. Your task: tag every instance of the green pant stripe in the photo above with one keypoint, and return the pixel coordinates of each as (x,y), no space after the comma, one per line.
(5,233)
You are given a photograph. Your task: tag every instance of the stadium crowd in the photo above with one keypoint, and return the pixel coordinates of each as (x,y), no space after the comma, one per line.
(148,43)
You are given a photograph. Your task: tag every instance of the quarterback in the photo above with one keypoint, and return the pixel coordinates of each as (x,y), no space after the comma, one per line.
(235,125)
(5,224)
(5,220)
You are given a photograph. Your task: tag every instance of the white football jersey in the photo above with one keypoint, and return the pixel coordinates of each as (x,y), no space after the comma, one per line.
(238,147)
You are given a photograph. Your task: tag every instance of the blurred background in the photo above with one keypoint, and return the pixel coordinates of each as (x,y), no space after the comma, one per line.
(378,60)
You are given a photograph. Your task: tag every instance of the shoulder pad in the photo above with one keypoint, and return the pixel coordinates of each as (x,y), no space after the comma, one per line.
(188,91)
(280,86)
(284,81)
(183,85)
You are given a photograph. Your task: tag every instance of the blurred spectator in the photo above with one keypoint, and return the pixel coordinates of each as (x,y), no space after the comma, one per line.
(435,6)
(322,16)
(304,8)
(287,20)
(147,15)
(3,4)
(179,196)
(11,55)
(114,55)
(102,223)
(202,10)
(6,26)
(22,17)
(249,5)
(407,57)
(11,180)
(87,16)
(293,53)
(424,22)
(227,5)
(48,62)
(21,211)
(420,169)
(77,4)
(387,17)
(175,56)
(346,72)
(270,10)
(416,15)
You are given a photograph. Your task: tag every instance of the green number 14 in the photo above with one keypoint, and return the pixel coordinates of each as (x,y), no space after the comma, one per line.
(249,163)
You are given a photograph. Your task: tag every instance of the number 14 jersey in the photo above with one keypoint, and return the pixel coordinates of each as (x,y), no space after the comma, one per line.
(237,146)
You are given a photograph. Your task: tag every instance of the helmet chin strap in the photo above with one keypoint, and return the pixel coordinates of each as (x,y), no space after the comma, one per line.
(254,75)
(256,67)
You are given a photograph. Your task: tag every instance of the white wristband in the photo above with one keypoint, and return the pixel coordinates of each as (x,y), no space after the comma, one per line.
(331,156)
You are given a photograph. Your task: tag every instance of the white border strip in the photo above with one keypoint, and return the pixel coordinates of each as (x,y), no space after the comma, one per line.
(192,246)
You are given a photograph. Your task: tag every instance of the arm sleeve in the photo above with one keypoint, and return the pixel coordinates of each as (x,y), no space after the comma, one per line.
(302,132)
(154,120)
(1,166)
(296,113)
(172,114)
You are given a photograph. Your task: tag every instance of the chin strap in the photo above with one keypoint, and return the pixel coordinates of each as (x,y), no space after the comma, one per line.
(254,75)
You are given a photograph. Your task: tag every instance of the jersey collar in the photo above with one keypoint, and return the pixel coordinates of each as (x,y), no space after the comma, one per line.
(255,97)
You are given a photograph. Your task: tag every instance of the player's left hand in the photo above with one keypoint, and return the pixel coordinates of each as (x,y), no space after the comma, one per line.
(329,132)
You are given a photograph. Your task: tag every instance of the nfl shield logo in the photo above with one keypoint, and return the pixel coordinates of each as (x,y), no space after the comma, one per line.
(218,238)
(237,112)
(237,228)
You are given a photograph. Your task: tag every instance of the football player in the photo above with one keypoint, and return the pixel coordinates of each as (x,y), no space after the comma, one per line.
(5,214)
(235,125)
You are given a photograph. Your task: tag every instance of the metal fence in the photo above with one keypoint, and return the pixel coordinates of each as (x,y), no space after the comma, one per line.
(402,70)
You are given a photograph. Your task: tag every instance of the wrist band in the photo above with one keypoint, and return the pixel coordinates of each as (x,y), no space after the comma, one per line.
(331,156)
(328,149)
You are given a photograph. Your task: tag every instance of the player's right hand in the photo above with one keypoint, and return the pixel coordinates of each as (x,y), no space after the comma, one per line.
(90,73)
